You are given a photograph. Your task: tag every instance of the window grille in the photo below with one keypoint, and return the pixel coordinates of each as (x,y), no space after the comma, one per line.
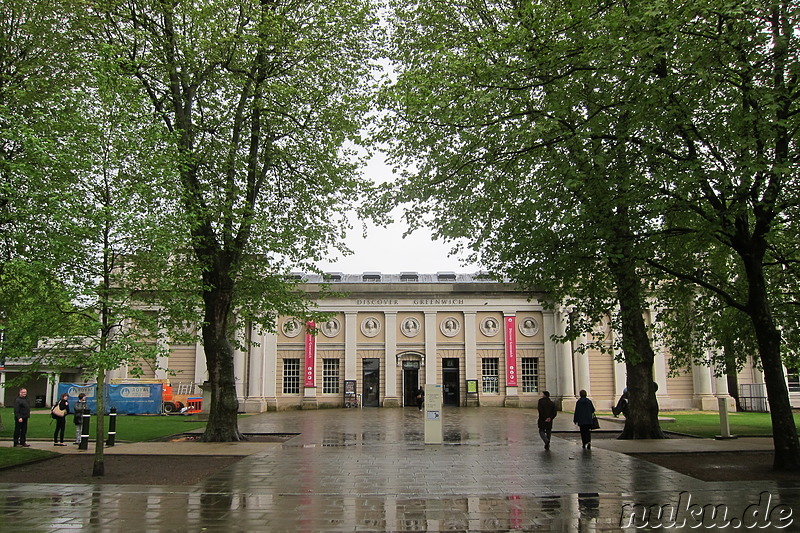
(530,374)
(490,374)
(291,376)
(330,376)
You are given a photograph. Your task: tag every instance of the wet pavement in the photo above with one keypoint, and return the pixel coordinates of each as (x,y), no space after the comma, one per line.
(370,470)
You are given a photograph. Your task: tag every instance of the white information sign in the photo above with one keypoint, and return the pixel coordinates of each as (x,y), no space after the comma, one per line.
(433,414)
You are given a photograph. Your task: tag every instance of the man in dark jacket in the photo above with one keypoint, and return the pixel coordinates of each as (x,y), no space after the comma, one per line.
(547,412)
(22,412)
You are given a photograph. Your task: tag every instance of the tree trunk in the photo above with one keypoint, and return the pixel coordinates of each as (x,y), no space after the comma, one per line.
(222,422)
(768,337)
(642,419)
(99,465)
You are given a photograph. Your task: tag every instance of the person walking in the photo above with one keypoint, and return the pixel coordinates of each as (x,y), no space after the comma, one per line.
(420,398)
(583,417)
(80,408)
(22,412)
(59,413)
(547,412)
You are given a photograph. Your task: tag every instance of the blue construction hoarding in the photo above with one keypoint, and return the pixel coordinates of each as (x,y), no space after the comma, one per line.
(127,398)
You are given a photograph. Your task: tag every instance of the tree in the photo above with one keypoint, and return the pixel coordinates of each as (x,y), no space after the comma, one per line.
(724,158)
(39,54)
(704,103)
(513,134)
(260,102)
(107,235)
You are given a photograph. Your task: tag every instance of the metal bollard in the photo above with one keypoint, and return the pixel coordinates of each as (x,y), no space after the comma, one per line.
(112,426)
(85,423)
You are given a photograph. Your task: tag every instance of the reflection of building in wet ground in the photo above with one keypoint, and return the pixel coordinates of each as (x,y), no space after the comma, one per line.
(369,470)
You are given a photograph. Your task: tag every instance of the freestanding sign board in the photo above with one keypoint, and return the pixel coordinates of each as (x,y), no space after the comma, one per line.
(433,414)
(126,398)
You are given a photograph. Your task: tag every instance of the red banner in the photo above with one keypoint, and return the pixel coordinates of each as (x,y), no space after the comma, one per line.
(311,355)
(511,351)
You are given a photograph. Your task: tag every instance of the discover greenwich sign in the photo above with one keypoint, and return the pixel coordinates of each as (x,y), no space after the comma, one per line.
(370,302)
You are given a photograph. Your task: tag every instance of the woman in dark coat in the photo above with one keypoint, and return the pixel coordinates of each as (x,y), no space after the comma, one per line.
(584,414)
(61,421)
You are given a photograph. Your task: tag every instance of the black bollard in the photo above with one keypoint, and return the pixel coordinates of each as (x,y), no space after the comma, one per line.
(84,445)
(112,427)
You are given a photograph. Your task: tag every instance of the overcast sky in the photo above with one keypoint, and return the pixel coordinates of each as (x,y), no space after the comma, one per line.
(385,250)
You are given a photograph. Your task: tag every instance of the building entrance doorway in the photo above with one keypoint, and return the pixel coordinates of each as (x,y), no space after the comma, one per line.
(410,383)
(371,381)
(450,382)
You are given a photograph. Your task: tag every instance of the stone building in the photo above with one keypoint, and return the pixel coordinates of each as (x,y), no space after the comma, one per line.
(484,342)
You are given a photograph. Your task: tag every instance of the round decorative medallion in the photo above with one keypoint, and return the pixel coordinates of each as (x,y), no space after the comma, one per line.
(490,326)
(370,327)
(528,327)
(450,327)
(331,328)
(410,327)
(291,327)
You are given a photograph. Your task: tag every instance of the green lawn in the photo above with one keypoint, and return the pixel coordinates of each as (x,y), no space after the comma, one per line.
(129,428)
(706,423)
(20,456)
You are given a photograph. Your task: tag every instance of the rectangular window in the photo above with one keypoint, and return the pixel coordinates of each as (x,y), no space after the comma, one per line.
(489,374)
(530,374)
(291,376)
(330,376)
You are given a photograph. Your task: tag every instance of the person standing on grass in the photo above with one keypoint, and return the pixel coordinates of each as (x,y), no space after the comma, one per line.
(547,412)
(80,408)
(61,407)
(584,414)
(22,412)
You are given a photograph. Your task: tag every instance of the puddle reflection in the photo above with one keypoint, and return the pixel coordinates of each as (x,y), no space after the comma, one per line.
(218,505)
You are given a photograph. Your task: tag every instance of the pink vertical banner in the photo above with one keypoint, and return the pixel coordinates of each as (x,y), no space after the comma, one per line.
(511,351)
(311,355)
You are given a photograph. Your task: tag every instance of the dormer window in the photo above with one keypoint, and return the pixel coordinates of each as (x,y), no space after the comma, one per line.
(371,276)
(333,276)
(409,276)
(446,276)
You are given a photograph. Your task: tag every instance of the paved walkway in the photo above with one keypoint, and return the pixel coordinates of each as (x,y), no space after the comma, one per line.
(370,470)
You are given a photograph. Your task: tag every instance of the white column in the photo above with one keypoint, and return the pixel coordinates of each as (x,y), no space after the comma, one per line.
(52,392)
(162,361)
(239,363)
(430,347)
(620,374)
(2,387)
(200,365)
(701,382)
(271,365)
(470,345)
(255,378)
(566,379)
(350,344)
(390,356)
(551,369)
(581,362)
(721,387)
